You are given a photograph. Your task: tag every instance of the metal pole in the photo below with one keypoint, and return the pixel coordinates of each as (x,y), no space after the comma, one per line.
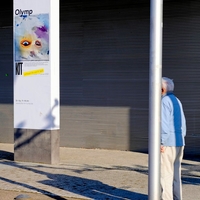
(155,74)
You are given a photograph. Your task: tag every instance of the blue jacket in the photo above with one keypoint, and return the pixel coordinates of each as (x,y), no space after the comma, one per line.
(173,123)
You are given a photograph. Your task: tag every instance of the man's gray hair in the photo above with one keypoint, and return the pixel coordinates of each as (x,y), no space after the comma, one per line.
(168,84)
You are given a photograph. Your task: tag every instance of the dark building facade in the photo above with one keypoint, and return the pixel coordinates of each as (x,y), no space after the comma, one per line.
(104,71)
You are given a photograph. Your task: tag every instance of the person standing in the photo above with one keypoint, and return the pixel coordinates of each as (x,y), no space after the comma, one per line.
(173,132)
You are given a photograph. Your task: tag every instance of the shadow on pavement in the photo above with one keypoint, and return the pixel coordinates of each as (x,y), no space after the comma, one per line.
(88,188)
(6,155)
(49,194)
(91,188)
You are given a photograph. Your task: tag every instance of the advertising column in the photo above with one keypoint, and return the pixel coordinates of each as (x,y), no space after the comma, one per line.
(36,80)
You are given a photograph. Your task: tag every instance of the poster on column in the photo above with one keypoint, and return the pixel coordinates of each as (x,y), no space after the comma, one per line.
(32,67)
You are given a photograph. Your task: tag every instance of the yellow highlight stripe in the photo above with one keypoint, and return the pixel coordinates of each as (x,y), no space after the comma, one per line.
(34,72)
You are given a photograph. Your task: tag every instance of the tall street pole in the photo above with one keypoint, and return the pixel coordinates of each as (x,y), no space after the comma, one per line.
(155,74)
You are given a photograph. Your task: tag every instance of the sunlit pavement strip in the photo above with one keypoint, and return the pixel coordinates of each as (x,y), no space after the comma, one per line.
(91,174)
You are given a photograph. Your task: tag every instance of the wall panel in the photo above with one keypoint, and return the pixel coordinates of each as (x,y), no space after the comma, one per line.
(104,71)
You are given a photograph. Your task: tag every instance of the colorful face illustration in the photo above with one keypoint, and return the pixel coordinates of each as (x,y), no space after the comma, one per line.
(32,38)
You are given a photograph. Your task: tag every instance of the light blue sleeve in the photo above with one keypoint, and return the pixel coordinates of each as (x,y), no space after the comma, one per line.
(165,117)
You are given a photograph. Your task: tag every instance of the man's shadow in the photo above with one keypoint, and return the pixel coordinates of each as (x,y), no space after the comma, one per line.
(93,189)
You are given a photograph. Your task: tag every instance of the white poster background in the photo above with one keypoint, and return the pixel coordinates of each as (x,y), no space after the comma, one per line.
(36,74)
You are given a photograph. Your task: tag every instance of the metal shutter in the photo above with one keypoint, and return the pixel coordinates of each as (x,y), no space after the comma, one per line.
(181,61)
(104,74)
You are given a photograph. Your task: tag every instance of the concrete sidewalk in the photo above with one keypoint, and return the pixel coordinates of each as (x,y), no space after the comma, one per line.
(87,174)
